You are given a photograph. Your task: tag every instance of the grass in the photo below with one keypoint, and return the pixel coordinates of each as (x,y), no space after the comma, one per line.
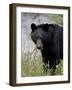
(33,66)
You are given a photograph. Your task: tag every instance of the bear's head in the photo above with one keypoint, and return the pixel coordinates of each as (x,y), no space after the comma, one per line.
(42,34)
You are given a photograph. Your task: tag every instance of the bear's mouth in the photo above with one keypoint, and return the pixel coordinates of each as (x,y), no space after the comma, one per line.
(40,48)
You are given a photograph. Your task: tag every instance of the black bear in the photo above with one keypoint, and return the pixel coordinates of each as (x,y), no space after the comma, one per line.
(49,39)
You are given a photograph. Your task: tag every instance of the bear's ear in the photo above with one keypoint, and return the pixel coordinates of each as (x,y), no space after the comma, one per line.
(33,26)
(45,27)
(49,27)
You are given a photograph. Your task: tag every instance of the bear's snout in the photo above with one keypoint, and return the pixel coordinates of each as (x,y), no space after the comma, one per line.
(39,44)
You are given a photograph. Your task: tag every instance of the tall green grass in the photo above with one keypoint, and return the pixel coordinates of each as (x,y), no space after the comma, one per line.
(33,66)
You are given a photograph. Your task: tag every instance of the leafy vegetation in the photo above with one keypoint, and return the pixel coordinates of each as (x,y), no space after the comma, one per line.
(58,18)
